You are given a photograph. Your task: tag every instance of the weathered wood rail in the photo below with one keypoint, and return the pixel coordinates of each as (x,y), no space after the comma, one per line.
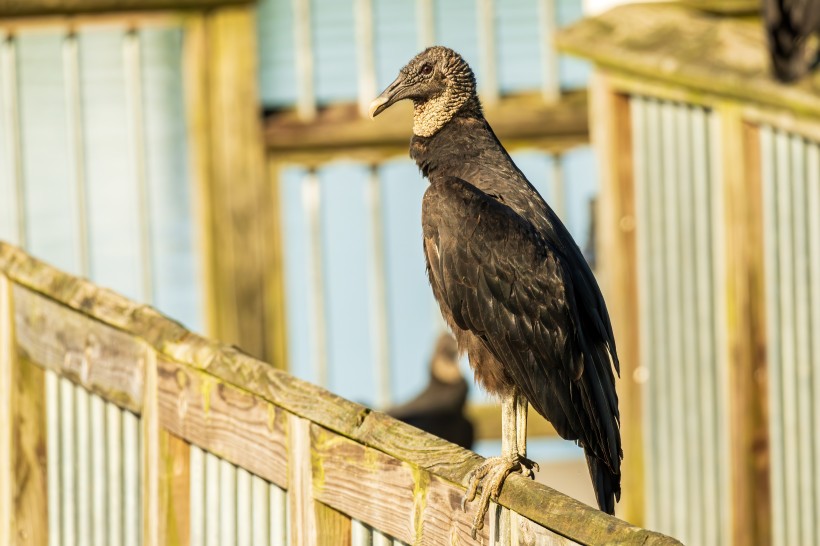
(294,460)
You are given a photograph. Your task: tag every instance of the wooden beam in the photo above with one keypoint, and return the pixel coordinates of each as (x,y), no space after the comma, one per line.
(617,254)
(229,170)
(667,42)
(745,324)
(340,131)
(7,365)
(221,419)
(16,8)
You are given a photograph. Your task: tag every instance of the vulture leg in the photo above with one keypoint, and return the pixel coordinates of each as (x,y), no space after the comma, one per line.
(491,474)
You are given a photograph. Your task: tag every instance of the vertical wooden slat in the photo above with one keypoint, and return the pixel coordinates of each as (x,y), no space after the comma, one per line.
(114,469)
(487,49)
(276,316)
(312,202)
(332,527)
(7,364)
(150,456)
(612,138)
(380,539)
(365,57)
(229,172)
(174,490)
(300,476)
(379,315)
(744,354)
(76,139)
(559,194)
(425,23)
(303,46)
(360,534)
(11,116)
(136,134)
(550,81)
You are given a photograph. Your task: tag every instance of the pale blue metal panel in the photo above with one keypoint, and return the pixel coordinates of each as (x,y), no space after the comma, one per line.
(334,50)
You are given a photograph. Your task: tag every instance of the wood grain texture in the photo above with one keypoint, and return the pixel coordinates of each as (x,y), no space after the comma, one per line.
(151,461)
(224,420)
(229,170)
(392,496)
(340,130)
(301,509)
(618,274)
(745,323)
(230,367)
(668,42)
(94,355)
(332,527)
(7,364)
(12,8)
(174,490)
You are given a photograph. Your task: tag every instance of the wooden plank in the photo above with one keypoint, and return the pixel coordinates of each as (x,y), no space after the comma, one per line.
(14,8)
(300,477)
(23,472)
(338,130)
(226,421)
(7,364)
(332,527)
(91,354)
(617,252)
(665,42)
(151,457)
(276,300)
(386,493)
(229,172)
(174,490)
(446,461)
(746,326)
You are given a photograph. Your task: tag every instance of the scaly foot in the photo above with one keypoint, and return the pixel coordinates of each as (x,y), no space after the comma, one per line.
(490,475)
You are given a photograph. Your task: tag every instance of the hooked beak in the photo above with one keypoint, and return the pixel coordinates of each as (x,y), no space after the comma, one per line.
(395,92)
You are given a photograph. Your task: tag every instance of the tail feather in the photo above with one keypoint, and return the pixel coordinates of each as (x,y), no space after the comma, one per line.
(607,484)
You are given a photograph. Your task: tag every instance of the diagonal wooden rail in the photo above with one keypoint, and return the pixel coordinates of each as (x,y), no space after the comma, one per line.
(342,465)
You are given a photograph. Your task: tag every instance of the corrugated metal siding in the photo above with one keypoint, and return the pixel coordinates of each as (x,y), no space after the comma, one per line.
(677,194)
(791,183)
(94,159)
(229,505)
(94,485)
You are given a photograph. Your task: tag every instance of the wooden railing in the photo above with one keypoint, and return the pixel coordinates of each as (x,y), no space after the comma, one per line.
(135,430)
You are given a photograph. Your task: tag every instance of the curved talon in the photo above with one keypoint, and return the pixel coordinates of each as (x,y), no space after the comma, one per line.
(493,472)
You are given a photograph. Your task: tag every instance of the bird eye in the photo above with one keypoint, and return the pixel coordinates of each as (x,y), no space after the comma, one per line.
(426,69)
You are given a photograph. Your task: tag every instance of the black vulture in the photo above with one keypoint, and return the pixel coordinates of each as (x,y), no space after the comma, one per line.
(439,408)
(511,282)
(790,26)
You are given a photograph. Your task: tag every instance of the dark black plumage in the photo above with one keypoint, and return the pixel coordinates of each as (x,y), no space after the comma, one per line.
(510,280)
(439,408)
(790,24)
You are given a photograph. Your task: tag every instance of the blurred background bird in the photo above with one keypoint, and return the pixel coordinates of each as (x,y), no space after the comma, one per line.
(439,408)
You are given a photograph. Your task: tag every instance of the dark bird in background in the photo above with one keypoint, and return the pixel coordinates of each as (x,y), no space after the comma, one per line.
(792,27)
(439,408)
(512,284)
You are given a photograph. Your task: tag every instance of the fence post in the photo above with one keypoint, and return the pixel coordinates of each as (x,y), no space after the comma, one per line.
(23,496)
(745,328)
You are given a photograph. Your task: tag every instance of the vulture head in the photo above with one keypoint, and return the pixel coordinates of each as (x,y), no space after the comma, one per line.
(439,82)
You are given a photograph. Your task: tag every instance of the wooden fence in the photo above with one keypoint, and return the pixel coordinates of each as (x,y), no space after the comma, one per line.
(710,255)
(121,427)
